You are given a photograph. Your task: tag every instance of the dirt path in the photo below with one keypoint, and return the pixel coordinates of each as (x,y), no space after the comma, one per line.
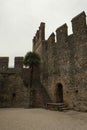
(41,119)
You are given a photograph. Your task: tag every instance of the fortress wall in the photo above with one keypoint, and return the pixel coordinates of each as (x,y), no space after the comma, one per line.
(14,84)
(66,62)
(50,64)
(40,47)
(80,61)
(62,61)
(50,53)
(13,92)
(60,64)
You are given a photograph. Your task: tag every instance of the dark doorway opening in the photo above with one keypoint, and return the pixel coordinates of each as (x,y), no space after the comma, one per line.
(59,93)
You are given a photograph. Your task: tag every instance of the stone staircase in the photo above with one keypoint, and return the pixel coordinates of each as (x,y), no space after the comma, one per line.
(42,92)
(57,106)
(46,99)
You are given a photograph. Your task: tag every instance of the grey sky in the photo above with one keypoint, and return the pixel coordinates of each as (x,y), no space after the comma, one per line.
(19,20)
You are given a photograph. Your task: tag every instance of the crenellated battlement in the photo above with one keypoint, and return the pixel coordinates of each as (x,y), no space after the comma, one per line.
(39,36)
(4,62)
(4,65)
(18,62)
(79,23)
(62,33)
(79,29)
(51,38)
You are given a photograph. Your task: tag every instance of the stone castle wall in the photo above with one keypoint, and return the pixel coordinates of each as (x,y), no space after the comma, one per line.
(64,61)
(14,83)
(63,66)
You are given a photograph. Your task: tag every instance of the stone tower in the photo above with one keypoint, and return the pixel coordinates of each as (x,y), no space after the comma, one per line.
(64,62)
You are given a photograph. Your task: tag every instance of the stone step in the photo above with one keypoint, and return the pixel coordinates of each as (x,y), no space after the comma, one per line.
(57,106)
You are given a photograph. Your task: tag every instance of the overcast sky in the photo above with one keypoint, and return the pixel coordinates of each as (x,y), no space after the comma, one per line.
(19,20)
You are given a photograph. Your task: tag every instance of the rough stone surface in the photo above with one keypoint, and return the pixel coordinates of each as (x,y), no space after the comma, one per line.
(14,83)
(64,61)
(62,75)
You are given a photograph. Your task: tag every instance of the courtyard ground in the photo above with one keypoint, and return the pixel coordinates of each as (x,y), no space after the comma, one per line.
(41,119)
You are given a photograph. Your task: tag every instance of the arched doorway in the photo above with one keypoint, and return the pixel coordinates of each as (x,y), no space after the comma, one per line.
(59,93)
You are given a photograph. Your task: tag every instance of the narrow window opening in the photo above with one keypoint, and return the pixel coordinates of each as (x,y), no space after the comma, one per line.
(13,95)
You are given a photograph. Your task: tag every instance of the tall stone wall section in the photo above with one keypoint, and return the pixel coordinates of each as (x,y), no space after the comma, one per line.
(14,83)
(80,60)
(64,61)
(40,47)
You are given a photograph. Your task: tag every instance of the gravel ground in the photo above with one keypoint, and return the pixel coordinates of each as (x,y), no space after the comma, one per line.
(41,119)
